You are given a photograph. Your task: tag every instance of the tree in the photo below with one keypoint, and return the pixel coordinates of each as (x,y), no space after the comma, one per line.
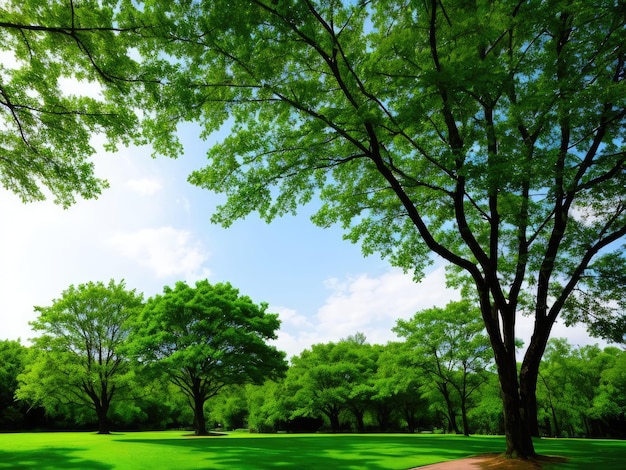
(488,134)
(322,380)
(78,358)
(397,386)
(610,402)
(12,358)
(356,350)
(205,338)
(333,379)
(450,347)
(67,74)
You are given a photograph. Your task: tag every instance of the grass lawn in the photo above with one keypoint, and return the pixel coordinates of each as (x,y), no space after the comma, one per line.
(178,450)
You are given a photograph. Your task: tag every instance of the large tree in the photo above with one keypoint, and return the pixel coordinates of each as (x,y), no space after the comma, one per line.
(66,74)
(489,134)
(205,338)
(79,359)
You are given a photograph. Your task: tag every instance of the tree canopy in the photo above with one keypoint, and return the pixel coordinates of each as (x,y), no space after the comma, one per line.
(66,74)
(205,338)
(487,133)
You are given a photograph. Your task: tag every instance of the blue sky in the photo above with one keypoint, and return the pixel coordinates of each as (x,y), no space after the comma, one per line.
(151,228)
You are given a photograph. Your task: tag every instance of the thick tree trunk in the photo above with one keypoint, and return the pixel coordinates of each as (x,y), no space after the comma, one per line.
(500,324)
(103,422)
(334,421)
(529,373)
(519,443)
(198,417)
(101,405)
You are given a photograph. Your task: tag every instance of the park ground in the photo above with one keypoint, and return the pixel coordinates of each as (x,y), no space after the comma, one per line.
(164,450)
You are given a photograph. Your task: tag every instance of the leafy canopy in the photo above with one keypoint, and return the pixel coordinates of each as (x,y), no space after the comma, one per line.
(66,74)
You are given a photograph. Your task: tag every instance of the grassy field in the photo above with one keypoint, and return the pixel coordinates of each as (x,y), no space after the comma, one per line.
(177,450)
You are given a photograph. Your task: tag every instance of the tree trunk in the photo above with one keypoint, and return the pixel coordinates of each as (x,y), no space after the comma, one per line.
(519,443)
(334,421)
(103,422)
(101,405)
(452,426)
(410,418)
(198,417)
(464,416)
(358,417)
(529,373)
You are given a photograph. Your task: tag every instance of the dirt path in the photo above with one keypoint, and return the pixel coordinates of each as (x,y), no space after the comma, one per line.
(492,462)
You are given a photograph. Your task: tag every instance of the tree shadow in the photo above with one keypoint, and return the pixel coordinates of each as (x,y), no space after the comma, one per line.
(315,452)
(48,459)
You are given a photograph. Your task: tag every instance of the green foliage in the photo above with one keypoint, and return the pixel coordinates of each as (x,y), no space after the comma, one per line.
(398,384)
(581,390)
(610,401)
(333,379)
(450,347)
(66,75)
(229,410)
(12,358)
(205,338)
(486,413)
(267,406)
(77,365)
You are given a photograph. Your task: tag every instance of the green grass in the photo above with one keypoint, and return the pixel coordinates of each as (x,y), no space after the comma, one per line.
(178,450)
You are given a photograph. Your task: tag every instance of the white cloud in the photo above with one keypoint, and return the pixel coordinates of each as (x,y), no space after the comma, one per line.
(145,186)
(373,304)
(164,250)
(363,303)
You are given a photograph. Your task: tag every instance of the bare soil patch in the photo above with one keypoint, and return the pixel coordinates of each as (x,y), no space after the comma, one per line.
(493,462)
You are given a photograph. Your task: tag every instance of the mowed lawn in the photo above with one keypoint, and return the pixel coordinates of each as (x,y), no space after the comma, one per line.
(178,450)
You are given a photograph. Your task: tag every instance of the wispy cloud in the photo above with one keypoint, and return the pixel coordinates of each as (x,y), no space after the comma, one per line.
(166,251)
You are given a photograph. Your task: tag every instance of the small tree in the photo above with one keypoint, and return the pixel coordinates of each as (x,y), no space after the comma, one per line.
(78,360)
(205,338)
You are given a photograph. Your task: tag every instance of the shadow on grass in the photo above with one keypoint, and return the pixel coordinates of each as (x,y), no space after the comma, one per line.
(328,451)
(584,453)
(48,459)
